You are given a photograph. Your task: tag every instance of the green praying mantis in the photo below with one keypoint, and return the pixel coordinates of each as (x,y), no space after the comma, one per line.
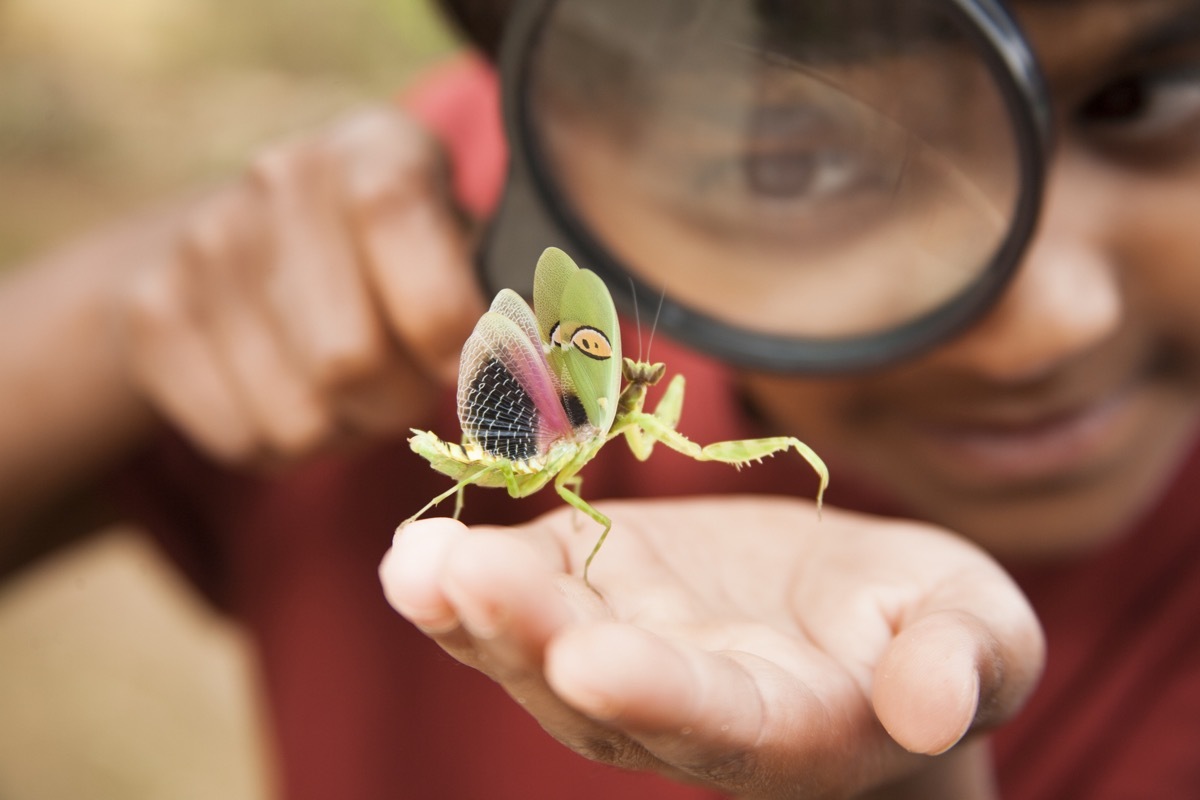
(539,394)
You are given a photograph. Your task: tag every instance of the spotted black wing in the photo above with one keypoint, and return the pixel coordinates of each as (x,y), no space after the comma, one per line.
(508,401)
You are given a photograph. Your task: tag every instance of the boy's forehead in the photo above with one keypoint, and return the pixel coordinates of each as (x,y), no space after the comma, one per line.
(1114,16)
(1073,38)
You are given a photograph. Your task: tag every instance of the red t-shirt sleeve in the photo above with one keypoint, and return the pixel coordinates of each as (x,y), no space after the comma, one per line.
(460,103)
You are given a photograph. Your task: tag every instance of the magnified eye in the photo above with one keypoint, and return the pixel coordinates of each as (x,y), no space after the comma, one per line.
(790,175)
(791,152)
(808,186)
(781,161)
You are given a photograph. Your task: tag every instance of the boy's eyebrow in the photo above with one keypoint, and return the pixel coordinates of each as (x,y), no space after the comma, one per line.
(1180,26)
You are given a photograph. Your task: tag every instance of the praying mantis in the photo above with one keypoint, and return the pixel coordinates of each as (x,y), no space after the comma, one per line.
(539,394)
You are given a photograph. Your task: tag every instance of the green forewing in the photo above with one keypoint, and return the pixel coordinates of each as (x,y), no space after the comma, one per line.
(554,269)
(576,316)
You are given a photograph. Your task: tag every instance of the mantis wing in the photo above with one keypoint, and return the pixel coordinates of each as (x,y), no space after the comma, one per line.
(575,314)
(508,399)
(510,304)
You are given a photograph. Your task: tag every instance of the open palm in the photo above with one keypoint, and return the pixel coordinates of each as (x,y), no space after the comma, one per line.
(735,641)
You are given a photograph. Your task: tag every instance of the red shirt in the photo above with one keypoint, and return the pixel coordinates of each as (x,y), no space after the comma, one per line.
(364,706)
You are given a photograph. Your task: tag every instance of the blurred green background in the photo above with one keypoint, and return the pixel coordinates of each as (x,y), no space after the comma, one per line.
(115,680)
(103,105)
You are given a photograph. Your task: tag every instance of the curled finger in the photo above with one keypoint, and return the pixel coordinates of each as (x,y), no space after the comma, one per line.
(223,253)
(178,369)
(319,300)
(412,236)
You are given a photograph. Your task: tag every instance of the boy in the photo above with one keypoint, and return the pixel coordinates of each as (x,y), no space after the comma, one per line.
(739,643)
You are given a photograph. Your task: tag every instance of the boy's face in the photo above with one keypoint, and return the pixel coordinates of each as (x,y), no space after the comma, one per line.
(1056,419)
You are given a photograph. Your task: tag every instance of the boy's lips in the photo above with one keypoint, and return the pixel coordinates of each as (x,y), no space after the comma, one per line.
(1026,445)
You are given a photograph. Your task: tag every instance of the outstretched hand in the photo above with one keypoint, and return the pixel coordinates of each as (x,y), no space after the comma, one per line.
(733,641)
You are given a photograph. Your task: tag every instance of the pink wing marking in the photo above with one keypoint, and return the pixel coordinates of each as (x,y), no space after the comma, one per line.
(508,400)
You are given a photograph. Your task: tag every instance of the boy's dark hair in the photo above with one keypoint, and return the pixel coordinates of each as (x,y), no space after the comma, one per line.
(481,21)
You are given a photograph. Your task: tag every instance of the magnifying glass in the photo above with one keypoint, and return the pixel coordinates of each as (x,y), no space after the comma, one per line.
(805,185)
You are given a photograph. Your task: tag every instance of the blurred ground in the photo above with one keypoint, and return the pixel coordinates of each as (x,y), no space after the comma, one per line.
(115,681)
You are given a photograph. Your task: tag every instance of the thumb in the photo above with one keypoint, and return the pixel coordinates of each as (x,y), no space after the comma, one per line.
(950,671)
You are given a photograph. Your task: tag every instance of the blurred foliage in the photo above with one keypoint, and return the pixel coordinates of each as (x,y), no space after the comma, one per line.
(104,106)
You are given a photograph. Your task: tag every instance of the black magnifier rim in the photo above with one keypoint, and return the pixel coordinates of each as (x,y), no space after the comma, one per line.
(1011,64)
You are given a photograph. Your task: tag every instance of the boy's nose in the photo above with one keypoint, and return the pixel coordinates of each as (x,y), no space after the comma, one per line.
(1066,295)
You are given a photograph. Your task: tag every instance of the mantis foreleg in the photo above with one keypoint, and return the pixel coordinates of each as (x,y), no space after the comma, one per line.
(670,405)
(668,411)
(739,453)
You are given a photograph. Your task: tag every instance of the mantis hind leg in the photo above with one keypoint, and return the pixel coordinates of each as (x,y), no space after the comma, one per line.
(573,499)
(575,485)
(459,497)
(458,489)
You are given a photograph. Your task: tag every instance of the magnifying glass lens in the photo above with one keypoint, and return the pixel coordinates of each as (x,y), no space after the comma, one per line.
(817,170)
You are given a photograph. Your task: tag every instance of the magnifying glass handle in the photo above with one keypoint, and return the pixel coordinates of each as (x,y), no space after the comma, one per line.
(514,239)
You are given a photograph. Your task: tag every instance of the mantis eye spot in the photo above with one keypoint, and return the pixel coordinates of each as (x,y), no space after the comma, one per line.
(592,343)
(556,335)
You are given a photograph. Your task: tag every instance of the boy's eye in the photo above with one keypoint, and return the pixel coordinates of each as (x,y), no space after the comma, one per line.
(1121,101)
(1157,110)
